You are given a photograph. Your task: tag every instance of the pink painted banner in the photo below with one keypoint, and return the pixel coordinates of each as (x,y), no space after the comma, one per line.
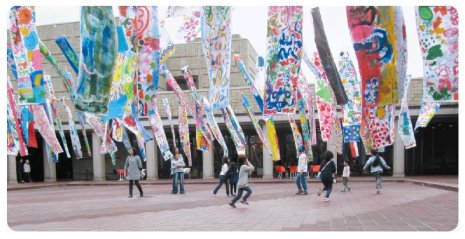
(171,82)
(45,129)
(337,134)
(381,125)
(12,133)
(184,132)
(22,144)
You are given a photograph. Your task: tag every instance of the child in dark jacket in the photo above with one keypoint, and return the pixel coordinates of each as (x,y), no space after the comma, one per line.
(233,176)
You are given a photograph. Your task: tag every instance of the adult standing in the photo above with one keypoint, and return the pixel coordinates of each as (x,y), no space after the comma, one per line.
(243,183)
(301,179)
(177,169)
(27,170)
(133,166)
(376,164)
(328,168)
(223,177)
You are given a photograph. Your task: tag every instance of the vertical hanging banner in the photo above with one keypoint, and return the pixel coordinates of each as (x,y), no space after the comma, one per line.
(308,96)
(73,131)
(22,144)
(305,127)
(260,79)
(427,111)
(45,129)
(273,138)
(327,59)
(130,63)
(253,119)
(234,129)
(97,59)
(296,133)
(148,36)
(324,101)
(373,31)
(171,82)
(183,23)
(284,45)
(381,125)
(50,155)
(166,104)
(12,133)
(214,129)
(32,140)
(101,129)
(438,32)
(352,111)
(248,80)
(365,132)
(216,48)
(404,124)
(338,134)
(69,52)
(401,46)
(116,130)
(11,61)
(82,122)
(54,105)
(184,133)
(159,133)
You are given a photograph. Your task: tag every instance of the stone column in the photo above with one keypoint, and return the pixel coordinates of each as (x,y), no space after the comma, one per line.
(207,162)
(12,177)
(267,159)
(50,171)
(98,161)
(152,158)
(398,167)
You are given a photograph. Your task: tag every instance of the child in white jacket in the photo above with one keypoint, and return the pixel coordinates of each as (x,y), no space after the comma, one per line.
(345,176)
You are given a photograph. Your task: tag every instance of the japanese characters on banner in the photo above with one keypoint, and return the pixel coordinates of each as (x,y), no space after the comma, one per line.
(234,129)
(253,119)
(183,23)
(216,48)
(248,80)
(159,133)
(438,32)
(284,45)
(352,111)
(404,124)
(166,105)
(377,62)
(97,59)
(148,36)
(184,133)
(73,131)
(327,59)
(45,129)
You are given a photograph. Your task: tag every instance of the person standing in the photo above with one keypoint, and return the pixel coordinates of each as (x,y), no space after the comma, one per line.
(27,170)
(376,164)
(301,179)
(177,169)
(327,171)
(223,177)
(243,183)
(20,171)
(133,166)
(233,176)
(345,176)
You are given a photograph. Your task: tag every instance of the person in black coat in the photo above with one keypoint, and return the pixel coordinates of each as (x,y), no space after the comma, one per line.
(232,176)
(327,169)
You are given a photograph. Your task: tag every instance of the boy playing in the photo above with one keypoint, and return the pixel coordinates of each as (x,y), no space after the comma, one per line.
(345,176)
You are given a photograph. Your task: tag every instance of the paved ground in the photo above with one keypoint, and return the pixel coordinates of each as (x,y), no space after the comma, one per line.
(402,206)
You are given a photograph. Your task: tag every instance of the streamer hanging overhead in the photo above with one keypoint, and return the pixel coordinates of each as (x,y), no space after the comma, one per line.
(284,45)
(183,23)
(273,138)
(216,48)
(69,52)
(45,129)
(159,133)
(214,129)
(166,105)
(73,131)
(22,144)
(404,124)
(253,119)
(12,133)
(82,122)
(234,130)
(438,32)
(381,125)
(248,80)
(184,132)
(427,111)
(305,127)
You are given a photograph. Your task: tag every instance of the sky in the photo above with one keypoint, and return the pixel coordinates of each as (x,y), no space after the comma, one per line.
(250,23)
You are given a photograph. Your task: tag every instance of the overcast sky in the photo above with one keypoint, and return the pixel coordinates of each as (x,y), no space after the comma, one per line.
(250,23)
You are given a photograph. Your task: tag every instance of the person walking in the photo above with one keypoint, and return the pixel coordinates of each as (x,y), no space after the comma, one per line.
(27,171)
(345,176)
(223,177)
(20,171)
(243,183)
(376,164)
(326,174)
(233,176)
(177,169)
(133,166)
(301,179)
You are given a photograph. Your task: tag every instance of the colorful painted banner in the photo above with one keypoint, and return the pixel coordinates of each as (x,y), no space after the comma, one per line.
(101,129)
(32,140)
(401,46)
(365,134)
(148,36)
(97,59)
(73,131)
(167,47)
(43,125)
(126,141)
(171,82)
(56,114)
(214,129)
(305,127)
(184,133)
(296,134)
(12,133)
(116,130)
(166,105)
(249,81)
(438,32)
(82,122)
(253,119)
(216,48)
(404,124)
(183,23)
(69,52)
(308,95)
(50,155)
(284,45)
(381,125)
(352,111)
(324,101)
(22,143)
(272,138)
(427,111)
(338,135)
(354,149)
(327,59)
(373,31)
(159,133)
(234,130)
(260,76)
(25,118)
(11,61)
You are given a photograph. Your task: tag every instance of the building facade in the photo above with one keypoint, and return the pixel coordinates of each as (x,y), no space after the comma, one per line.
(436,151)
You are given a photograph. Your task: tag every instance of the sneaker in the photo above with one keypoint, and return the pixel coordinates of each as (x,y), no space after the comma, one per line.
(305,193)
(214,193)
(319,192)
(299,192)
(232,205)
(244,202)
(141,195)
(130,196)
(174,192)
(326,199)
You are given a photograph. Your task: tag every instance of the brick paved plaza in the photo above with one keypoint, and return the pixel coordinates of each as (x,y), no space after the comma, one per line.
(402,206)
